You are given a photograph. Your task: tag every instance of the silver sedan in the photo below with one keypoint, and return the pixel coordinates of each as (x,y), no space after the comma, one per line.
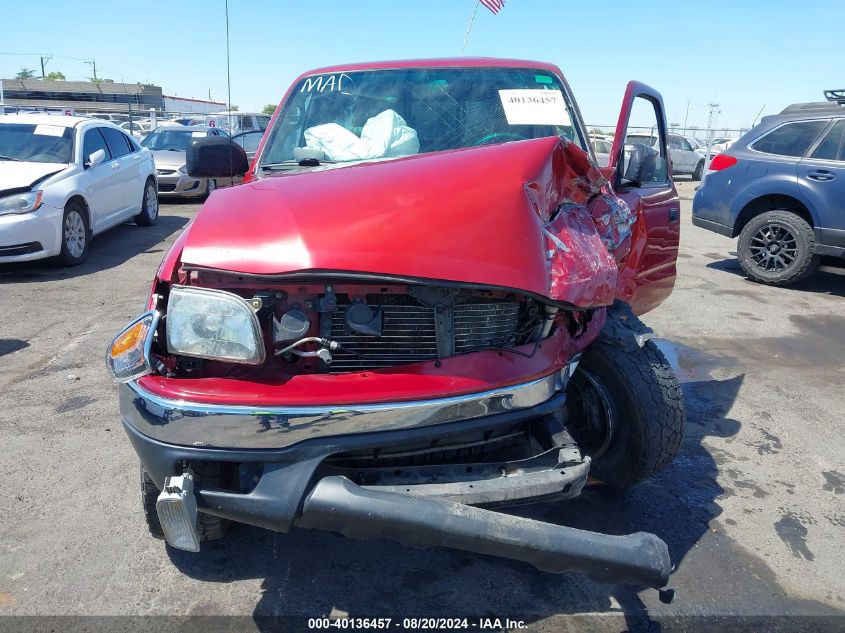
(169,146)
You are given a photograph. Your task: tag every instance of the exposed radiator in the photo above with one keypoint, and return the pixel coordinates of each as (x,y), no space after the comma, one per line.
(409,333)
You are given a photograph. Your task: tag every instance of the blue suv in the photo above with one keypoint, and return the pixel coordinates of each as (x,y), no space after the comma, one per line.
(781,189)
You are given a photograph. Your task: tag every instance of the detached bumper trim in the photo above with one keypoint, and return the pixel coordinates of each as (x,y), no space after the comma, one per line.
(214,426)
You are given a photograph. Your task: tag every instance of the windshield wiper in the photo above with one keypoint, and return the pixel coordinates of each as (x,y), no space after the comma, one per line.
(293,164)
(19,160)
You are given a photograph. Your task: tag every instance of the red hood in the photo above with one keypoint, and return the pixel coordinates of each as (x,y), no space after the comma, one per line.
(473,215)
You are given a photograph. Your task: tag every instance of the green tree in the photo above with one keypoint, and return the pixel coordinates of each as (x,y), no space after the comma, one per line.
(56,75)
(234,108)
(270,108)
(95,80)
(25,73)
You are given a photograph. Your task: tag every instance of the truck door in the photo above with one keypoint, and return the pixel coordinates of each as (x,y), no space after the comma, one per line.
(647,272)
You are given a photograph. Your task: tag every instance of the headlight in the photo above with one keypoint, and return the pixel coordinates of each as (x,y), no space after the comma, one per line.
(128,356)
(183,169)
(213,324)
(20,203)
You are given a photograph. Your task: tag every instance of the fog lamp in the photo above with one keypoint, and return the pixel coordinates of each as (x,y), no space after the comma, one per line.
(176,507)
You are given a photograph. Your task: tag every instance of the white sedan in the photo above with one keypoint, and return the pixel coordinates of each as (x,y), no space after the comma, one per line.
(64,180)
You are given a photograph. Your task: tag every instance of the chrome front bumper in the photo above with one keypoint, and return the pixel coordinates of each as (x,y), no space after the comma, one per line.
(242,427)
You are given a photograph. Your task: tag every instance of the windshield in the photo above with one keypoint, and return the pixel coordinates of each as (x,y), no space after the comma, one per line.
(36,143)
(368,115)
(170,138)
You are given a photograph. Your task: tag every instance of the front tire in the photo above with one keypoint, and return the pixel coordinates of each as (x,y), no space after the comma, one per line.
(699,171)
(210,187)
(625,410)
(777,248)
(149,205)
(76,235)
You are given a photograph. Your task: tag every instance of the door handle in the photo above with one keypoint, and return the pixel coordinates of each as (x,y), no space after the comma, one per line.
(820,175)
(115,165)
(673,214)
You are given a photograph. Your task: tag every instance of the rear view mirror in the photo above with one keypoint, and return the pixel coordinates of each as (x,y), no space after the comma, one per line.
(216,157)
(642,163)
(96,158)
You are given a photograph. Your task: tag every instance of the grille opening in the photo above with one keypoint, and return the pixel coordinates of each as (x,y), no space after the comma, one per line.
(409,332)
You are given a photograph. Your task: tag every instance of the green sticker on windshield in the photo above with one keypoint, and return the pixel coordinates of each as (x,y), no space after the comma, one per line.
(543,79)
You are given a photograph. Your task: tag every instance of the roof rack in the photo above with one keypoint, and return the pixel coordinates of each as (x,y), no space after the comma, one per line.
(817,107)
(835,95)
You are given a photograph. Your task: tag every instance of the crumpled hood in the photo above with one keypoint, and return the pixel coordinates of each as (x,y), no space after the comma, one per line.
(472,216)
(18,175)
(168,158)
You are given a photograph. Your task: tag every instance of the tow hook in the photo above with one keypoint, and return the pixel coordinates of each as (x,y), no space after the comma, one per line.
(176,507)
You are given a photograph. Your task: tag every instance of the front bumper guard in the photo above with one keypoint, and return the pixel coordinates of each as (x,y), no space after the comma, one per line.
(338,505)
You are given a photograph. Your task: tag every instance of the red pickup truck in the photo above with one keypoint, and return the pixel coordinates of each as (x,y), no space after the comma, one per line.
(420,305)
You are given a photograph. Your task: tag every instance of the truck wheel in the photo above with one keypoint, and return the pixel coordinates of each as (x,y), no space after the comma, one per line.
(625,410)
(776,248)
(149,494)
(699,171)
(210,528)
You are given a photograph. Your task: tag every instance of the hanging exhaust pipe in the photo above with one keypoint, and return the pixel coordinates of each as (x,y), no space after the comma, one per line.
(338,505)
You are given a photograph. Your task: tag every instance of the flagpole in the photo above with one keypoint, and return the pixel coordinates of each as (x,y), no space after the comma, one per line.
(469,26)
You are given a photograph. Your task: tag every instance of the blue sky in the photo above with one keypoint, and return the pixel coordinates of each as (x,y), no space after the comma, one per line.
(744,54)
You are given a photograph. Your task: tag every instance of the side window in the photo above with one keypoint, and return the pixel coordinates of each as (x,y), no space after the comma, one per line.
(792,139)
(832,146)
(91,143)
(117,142)
(644,164)
(246,124)
(134,144)
(684,143)
(675,142)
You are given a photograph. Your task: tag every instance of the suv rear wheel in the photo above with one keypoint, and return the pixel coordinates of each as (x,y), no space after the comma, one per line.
(776,248)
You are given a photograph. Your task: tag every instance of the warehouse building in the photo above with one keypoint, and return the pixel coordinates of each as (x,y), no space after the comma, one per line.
(80,96)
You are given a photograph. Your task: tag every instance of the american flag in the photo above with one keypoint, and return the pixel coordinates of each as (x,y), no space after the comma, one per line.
(494,5)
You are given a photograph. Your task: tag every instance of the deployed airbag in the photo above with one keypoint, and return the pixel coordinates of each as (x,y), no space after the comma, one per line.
(385,135)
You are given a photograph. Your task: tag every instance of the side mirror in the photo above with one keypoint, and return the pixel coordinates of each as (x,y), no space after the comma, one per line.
(96,158)
(216,157)
(642,163)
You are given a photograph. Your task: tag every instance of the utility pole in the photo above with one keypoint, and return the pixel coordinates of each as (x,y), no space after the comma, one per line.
(93,64)
(686,116)
(44,60)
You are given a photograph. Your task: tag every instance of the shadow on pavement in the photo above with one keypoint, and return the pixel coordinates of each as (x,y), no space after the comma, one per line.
(821,281)
(108,250)
(313,573)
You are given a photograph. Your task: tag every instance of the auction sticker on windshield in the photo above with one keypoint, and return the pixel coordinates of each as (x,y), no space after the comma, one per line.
(49,130)
(534,107)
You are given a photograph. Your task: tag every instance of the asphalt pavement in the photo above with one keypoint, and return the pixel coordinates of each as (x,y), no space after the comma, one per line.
(752,508)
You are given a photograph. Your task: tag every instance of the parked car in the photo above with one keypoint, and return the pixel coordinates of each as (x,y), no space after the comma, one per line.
(168,145)
(113,117)
(249,141)
(780,189)
(601,148)
(138,129)
(686,160)
(64,180)
(721,144)
(687,157)
(373,335)
(237,122)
